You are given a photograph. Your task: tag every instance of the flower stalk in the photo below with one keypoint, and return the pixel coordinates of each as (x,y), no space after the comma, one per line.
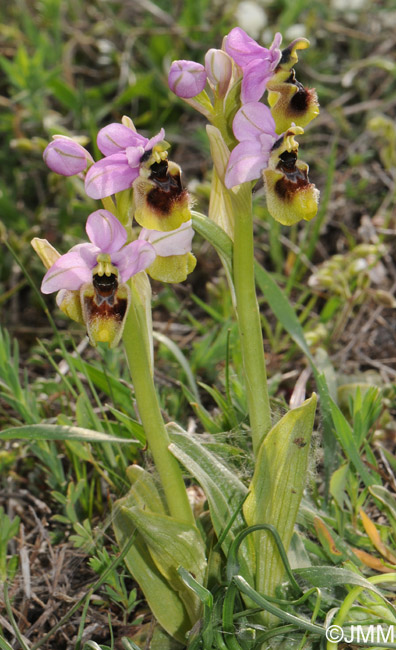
(150,413)
(249,318)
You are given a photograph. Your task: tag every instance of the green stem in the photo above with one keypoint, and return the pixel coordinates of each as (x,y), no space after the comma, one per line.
(249,318)
(135,342)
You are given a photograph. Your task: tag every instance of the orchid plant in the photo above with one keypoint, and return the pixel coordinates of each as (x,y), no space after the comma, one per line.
(176,558)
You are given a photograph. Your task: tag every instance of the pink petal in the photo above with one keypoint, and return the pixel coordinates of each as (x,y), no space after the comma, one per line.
(69,272)
(186,78)
(115,138)
(134,155)
(242,48)
(155,140)
(65,156)
(173,242)
(252,120)
(133,258)
(245,164)
(255,78)
(109,175)
(275,50)
(105,231)
(88,253)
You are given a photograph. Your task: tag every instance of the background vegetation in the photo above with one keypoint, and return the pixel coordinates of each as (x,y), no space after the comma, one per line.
(70,67)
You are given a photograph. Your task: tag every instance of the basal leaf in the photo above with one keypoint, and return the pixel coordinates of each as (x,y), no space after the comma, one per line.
(330,576)
(276,489)
(59,432)
(172,544)
(223,490)
(166,605)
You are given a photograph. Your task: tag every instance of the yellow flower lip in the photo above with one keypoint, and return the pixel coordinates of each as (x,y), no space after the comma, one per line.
(105,305)
(161,203)
(290,195)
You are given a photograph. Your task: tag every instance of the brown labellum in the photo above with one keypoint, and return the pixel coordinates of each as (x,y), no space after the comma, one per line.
(167,189)
(105,304)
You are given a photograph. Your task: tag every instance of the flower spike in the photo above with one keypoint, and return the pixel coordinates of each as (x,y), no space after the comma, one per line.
(290,195)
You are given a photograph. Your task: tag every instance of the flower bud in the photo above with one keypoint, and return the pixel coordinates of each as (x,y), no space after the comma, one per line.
(66,157)
(186,78)
(218,66)
(290,195)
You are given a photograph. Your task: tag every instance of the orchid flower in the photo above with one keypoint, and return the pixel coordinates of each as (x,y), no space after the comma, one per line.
(290,196)
(124,150)
(258,63)
(66,157)
(254,127)
(98,271)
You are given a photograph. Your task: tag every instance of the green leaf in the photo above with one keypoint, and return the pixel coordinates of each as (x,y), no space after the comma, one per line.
(330,576)
(58,432)
(64,93)
(346,439)
(134,428)
(144,491)
(382,494)
(165,603)
(276,489)
(4,645)
(223,490)
(282,309)
(105,382)
(203,594)
(181,359)
(172,544)
(338,485)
